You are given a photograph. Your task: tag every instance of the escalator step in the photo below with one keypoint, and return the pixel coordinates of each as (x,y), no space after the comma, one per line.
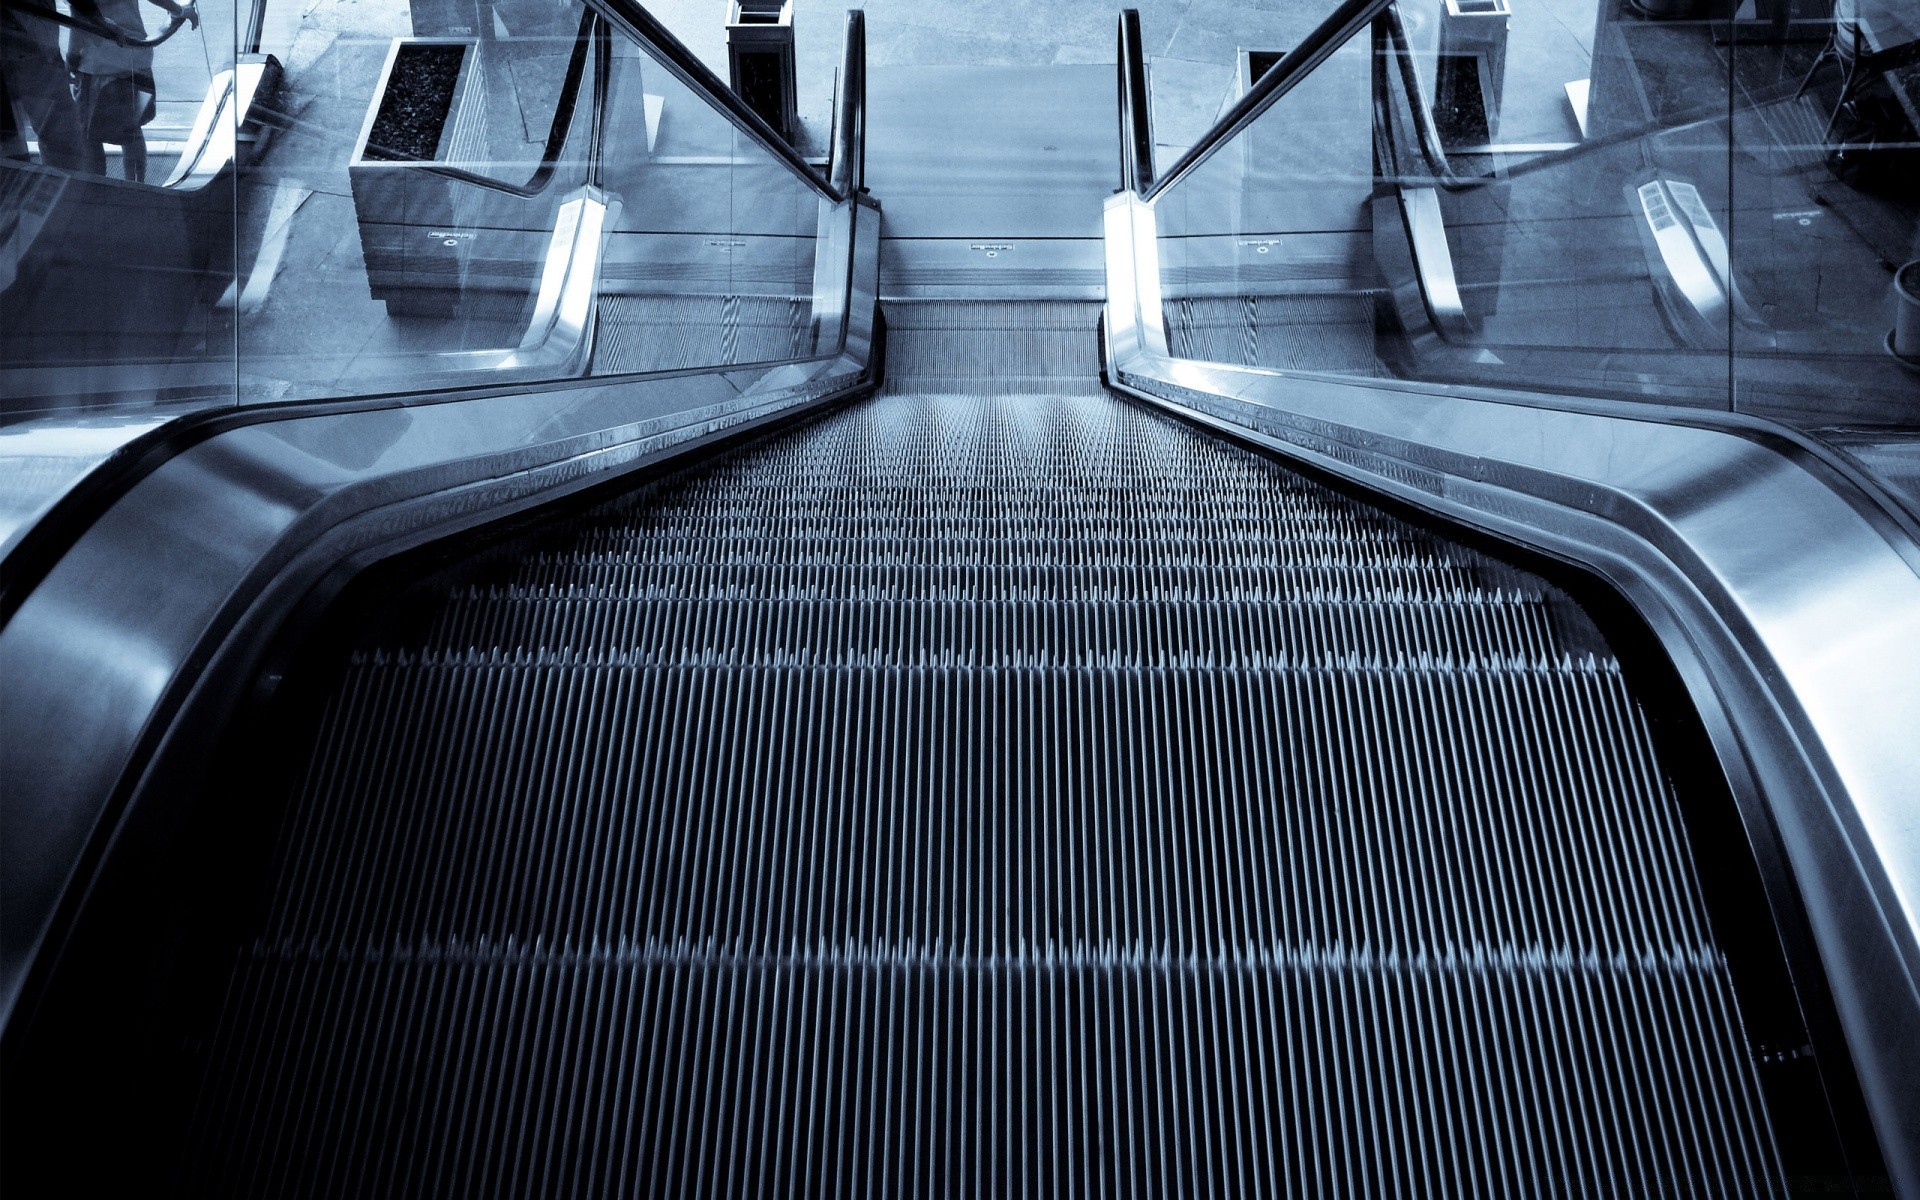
(976,791)
(996,348)
(1332,332)
(666,333)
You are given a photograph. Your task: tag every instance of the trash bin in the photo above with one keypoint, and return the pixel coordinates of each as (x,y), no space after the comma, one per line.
(1904,341)
(760,59)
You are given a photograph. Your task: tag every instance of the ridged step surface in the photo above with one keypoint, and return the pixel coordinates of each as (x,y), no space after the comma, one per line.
(669,333)
(1332,332)
(982,792)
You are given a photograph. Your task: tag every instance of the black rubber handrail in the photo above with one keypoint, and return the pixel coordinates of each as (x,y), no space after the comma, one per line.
(1136,110)
(1345,21)
(849,170)
(592,32)
(642,25)
(102,28)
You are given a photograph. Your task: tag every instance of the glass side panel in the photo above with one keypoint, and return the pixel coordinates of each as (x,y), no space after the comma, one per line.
(371,267)
(423,196)
(1271,234)
(1586,259)
(712,255)
(418,279)
(104,269)
(1631,201)
(1826,212)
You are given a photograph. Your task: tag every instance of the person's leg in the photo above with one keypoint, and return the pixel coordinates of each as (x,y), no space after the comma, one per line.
(133,155)
(13,138)
(43,92)
(140,109)
(93,152)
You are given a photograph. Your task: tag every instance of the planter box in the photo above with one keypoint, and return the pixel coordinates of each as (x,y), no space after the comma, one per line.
(416,227)
(1470,71)
(760,60)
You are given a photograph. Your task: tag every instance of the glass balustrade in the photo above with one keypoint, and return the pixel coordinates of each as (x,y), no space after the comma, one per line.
(1670,200)
(346,198)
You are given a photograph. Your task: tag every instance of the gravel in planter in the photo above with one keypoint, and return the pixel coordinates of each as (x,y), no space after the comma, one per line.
(414,110)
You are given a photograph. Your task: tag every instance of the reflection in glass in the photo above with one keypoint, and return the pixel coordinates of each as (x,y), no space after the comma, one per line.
(101,269)
(1672,201)
(375,198)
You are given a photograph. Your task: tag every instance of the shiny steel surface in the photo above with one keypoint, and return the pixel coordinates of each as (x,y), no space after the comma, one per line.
(104,653)
(1793,611)
(213,142)
(40,461)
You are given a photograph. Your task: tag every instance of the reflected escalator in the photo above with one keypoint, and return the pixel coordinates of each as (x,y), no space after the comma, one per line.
(1691,240)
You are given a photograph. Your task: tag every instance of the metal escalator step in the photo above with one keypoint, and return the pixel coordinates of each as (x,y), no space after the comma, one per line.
(1008,793)
(667,627)
(986,347)
(1350,722)
(681,1070)
(663,333)
(1282,332)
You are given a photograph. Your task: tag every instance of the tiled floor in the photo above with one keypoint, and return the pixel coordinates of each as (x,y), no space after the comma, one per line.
(1194,46)
(1194,43)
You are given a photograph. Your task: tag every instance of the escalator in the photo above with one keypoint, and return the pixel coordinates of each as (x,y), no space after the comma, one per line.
(1046,766)
(975,788)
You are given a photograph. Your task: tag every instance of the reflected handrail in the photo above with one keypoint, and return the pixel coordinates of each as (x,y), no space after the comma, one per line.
(229,105)
(602,101)
(592,33)
(1390,41)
